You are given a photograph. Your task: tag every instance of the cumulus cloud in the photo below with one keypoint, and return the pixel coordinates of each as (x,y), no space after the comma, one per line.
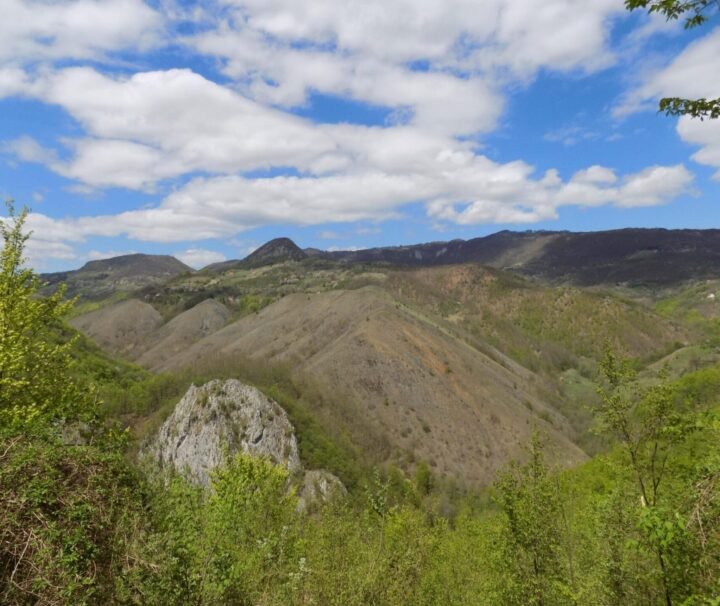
(200,257)
(27,149)
(474,33)
(280,51)
(75,29)
(478,192)
(694,73)
(42,249)
(439,67)
(706,135)
(13,81)
(158,125)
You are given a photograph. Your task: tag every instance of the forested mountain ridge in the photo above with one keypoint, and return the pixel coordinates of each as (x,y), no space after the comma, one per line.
(637,257)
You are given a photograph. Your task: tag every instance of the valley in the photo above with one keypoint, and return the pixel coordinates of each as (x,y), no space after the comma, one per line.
(451,366)
(386,434)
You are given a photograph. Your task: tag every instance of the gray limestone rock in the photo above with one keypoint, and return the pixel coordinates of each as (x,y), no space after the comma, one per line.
(319,486)
(219,419)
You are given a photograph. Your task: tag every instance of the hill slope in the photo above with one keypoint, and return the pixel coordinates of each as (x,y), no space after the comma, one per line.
(653,257)
(420,393)
(107,277)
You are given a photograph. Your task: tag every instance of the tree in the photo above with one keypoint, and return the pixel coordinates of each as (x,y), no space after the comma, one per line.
(651,430)
(533,553)
(36,381)
(695,13)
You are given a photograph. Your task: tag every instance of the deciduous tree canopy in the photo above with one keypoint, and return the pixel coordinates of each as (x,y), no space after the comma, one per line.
(693,13)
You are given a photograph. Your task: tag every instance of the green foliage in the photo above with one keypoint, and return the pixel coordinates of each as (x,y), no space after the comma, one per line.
(67,516)
(36,384)
(533,569)
(231,545)
(695,108)
(695,13)
(662,438)
(79,524)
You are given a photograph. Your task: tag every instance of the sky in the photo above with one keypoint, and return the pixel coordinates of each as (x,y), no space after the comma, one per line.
(204,129)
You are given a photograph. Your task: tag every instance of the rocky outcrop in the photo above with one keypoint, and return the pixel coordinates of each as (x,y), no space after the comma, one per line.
(222,418)
(319,486)
(219,419)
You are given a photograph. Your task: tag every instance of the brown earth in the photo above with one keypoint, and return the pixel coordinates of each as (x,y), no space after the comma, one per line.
(122,328)
(182,331)
(426,394)
(452,365)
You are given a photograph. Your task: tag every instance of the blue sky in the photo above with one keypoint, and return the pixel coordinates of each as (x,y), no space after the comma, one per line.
(204,129)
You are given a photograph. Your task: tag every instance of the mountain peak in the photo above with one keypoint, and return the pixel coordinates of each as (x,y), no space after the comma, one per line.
(279,249)
(124,273)
(137,262)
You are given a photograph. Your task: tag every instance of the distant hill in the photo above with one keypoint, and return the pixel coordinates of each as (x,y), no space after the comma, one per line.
(628,257)
(274,251)
(105,277)
(636,257)
(399,383)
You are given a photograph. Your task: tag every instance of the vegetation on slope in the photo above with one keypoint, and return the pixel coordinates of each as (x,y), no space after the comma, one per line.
(81,524)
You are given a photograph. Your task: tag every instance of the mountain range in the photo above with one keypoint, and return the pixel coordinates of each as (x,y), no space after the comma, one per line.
(445,353)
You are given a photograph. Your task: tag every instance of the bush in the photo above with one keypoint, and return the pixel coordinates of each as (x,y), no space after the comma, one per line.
(68,515)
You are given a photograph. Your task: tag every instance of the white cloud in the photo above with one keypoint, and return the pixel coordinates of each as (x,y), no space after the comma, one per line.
(478,32)
(97,255)
(41,250)
(33,30)
(654,185)
(285,76)
(479,191)
(13,81)
(157,125)
(199,257)
(27,149)
(525,201)
(695,73)
(570,135)
(280,51)
(706,134)
(595,175)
